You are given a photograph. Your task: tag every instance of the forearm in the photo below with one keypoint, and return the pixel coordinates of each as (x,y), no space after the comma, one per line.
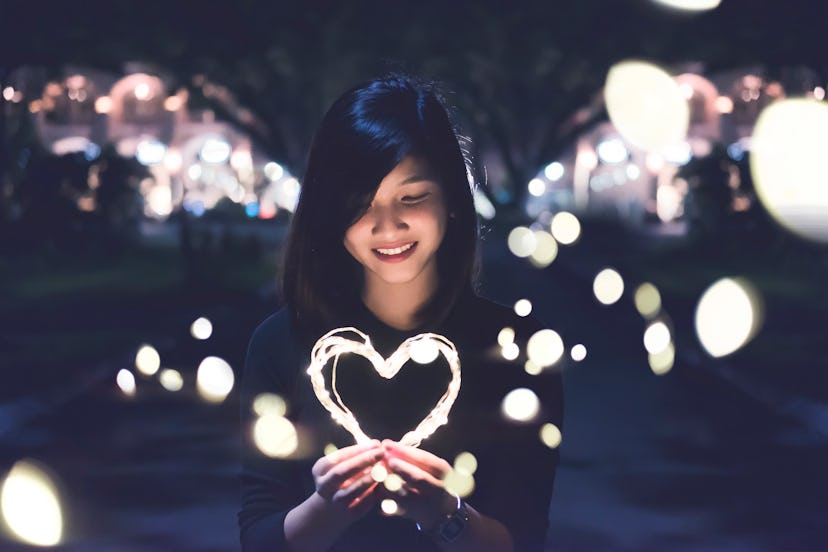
(482,534)
(310,527)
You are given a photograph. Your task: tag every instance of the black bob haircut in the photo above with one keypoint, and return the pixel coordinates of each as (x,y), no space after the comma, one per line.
(363,136)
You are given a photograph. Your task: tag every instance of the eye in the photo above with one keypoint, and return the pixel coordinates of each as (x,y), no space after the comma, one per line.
(415,198)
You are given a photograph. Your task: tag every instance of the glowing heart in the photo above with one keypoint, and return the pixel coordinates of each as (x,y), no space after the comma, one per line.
(422,348)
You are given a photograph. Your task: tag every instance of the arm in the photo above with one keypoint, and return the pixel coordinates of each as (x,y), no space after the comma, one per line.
(424,499)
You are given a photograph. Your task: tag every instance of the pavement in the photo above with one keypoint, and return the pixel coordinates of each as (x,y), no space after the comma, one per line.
(705,457)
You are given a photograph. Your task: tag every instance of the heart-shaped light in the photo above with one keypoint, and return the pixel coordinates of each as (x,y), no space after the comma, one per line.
(420,348)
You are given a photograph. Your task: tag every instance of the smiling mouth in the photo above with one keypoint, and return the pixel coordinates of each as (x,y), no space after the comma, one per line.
(395,253)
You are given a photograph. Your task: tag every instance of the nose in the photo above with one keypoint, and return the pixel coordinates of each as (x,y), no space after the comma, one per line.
(387,221)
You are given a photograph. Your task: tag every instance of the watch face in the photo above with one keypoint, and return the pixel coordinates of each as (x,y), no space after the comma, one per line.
(452,528)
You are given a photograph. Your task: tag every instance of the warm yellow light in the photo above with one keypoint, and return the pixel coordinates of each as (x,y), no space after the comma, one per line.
(646,105)
(523,307)
(126,382)
(647,300)
(550,435)
(171,380)
(546,249)
(510,351)
(147,360)
(424,351)
(662,362)
(201,328)
(545,348)
(537,187)
(578,352)
(389,506)
(330,448)
(270,404)
(459,483)
(393,482)
(789,165)
(505,336)
(521,241)
(275,436)
(724,104)
(608,286)
(690,5)
(566,228)
(727,316)
(521,404)
(173,160)
(103,105)
(159,200)
(173,103)
(656,337)
(466,462)
(531,368)
(30,504)
(379,472)
(214,379)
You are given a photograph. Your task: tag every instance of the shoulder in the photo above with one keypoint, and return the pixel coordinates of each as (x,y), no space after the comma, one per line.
(273,334)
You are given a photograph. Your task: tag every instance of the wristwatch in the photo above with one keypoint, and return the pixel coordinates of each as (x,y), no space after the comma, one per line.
(452,526)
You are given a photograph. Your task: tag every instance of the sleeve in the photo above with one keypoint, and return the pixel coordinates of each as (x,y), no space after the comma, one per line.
(270,487)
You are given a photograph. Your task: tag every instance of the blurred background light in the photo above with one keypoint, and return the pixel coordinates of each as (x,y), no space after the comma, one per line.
(647,300)
(147,360)
(546,249)
(214,379)
(656,337)
(521,241)
(545,348)
(550,435)
(566,228)
(150,152)
(728,315)
(790,167)
(459,483)
(505,336)
(31,506)
(465,462)
(201,328)
(578,352)
(126,382)
(523,307)
(554,171)
(646,105)
(612,151)
(608,286)
(389,506)
(273,171)
(269,403)
(215,151)
(424,351)
(275,436)
(662,361)
(171,380)
(510,351)
(690,5)
(520,405)
(537,187)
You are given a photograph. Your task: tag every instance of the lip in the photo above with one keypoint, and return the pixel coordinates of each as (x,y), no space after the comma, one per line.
(395,258)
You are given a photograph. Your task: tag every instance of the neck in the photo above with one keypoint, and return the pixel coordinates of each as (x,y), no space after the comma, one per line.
(398,304)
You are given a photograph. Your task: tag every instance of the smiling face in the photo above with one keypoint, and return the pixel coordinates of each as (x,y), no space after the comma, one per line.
(397,239)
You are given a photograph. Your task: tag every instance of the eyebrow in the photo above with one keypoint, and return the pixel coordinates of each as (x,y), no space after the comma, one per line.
(416,178)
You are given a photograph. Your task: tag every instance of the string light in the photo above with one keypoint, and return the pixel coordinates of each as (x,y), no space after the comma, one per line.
(334,343)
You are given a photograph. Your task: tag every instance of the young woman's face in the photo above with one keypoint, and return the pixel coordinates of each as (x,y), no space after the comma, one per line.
(397,238)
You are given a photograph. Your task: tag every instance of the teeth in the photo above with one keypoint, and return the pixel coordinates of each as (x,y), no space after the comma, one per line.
(396,250)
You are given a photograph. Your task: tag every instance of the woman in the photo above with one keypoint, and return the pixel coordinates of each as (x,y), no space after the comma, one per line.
(384,239)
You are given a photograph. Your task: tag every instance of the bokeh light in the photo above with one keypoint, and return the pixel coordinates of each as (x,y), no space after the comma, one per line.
(147,360)
(521,241)
(424,351)
(30,503)
(171,380)
(646,105)
(647,300)
(578,352)
(550,435)
(521,404)
(690,5)
(459,483)
(214,379)
(566,228)
(379,472)
(505,336)
(126,382)
(389,506)
(275,436)
(554,171)
(545,348)
(330,448)
(789,165)
(393,482)
(546,249)
(270,404)
(656,337)
(727,316)
(608,286)
(662,362)
(523,307)
(510,351)
(531,368)
(466,462)
(201,328)
(537,187)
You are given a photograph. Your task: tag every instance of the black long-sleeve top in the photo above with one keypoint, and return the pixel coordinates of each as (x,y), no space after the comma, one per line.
(515,474)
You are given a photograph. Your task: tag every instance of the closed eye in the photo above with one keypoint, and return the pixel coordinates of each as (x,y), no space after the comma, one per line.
(415,199)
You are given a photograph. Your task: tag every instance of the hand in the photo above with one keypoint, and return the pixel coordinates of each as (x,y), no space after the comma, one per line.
(343,479)
(423,497)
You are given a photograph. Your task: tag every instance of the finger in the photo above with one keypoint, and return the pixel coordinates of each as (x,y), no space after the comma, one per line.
(329,461)
(341,472)
(433,464)
(412,474)
(347,493)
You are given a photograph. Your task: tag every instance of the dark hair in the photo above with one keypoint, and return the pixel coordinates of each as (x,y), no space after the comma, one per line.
(363,136)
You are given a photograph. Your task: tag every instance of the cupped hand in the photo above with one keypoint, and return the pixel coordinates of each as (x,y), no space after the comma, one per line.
(423,496)
(343,478)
